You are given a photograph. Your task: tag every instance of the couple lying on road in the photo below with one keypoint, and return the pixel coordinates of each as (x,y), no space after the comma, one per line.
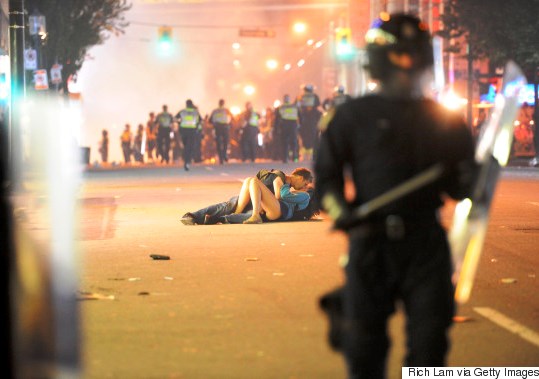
(269,196)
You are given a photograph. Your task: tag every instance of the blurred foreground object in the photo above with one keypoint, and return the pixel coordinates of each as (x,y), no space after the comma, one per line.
(45,276)
(471,216)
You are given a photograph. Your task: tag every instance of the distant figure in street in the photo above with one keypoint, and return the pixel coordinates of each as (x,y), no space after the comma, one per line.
(126,139)
(329,105)
(309,107)
(250,130)
(189,125)
(104,146)
(287,122)
(220,119)
(151,136)
(138,151)
(339,97)
(164,122)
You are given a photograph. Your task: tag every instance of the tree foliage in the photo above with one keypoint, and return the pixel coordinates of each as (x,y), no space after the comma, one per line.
(499,30)
(74,26)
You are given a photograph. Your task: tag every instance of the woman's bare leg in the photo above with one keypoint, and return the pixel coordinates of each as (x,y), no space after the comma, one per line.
(244,196)
(262,199)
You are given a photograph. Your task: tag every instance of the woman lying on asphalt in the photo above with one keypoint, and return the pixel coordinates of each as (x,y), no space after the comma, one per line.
(292,205)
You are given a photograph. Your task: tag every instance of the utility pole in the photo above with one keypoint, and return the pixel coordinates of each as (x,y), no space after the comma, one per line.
(13,144)
(18,88)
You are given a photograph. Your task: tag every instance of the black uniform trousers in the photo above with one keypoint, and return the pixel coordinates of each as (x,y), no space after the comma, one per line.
(289,139)
(163,143)
(221,140)
(189,140)
(381,271)
(249,142)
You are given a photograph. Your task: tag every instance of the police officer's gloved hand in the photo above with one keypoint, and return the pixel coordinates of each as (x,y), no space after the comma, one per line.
(345,222)
(339,211)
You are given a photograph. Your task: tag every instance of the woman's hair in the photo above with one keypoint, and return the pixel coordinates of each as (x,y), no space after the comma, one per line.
(310,211)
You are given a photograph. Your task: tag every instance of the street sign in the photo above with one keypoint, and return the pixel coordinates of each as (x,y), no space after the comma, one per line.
(257,33)
(56,73)
(30,59)
(41,80)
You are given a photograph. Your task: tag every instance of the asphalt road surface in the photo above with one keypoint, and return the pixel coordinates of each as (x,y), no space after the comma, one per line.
(240,301)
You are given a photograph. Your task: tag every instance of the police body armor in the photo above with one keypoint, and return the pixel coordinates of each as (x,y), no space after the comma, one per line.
(289,112)
(220,116)
(253,120)
(189,118)
(164,120)
(308,101)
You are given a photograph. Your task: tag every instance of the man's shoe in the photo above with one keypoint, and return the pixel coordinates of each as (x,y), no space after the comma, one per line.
(186,166)
(188,219)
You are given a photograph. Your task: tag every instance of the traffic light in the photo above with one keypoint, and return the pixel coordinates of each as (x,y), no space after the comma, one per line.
(344,49)
(165,38)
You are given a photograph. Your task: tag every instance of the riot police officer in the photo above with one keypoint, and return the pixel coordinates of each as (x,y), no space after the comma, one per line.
(287,123)
(309,107)
(250,129)
(340,97)
(189,124)
(399,251)
(164,121)
(220,118)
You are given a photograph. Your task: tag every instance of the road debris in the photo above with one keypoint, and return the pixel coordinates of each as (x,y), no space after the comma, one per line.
(508,280)
(93,296)
(460,319)
(159,257)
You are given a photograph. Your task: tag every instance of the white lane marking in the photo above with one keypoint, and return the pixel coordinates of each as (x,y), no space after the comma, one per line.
(509,324)
(533,203)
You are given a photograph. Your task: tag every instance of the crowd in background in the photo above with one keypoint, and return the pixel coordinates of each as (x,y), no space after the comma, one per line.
(285,132)
(289,131)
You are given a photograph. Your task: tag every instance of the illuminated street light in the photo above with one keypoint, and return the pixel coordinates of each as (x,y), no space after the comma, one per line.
(249,90)
(301,62)
(272,64)
(300,27)
(235,110)
(236,46)
(287,66)
(452,101)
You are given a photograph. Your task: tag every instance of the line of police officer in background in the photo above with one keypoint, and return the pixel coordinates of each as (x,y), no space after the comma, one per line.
(288,132)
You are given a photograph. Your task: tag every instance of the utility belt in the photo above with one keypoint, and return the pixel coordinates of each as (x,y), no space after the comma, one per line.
(394,226)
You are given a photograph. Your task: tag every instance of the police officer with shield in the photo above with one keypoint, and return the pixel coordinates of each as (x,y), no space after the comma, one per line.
(398,251)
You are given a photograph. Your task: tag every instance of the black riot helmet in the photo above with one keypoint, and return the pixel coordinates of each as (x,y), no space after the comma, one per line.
(400,33)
